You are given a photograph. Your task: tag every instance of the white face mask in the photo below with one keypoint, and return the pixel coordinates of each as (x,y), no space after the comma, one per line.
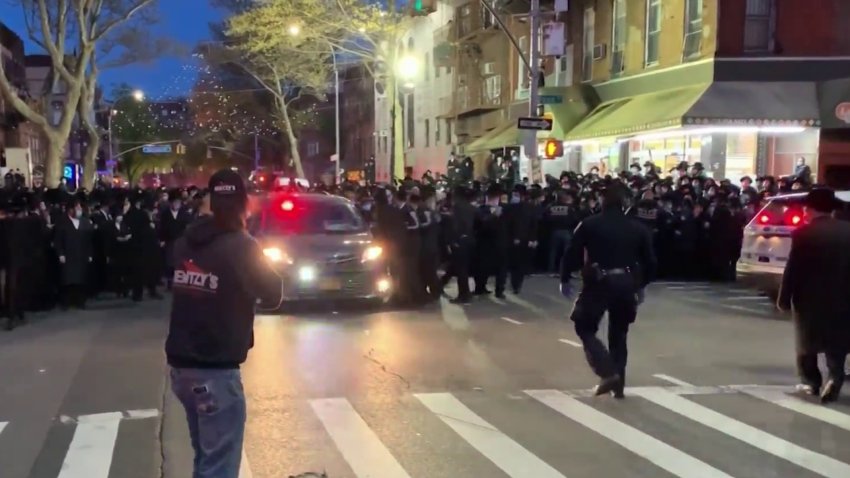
(78,213)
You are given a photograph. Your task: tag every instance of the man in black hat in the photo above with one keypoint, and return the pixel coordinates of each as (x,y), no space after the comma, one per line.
(219,274)
(73,244)
(143,247)
(522,226)
(491,237)
(816,284)
(173,220)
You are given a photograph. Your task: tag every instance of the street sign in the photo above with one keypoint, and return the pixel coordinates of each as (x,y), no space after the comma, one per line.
(156,149)
(550,99)
(540,124)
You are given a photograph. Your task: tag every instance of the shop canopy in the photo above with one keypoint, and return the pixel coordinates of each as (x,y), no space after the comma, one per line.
(662,109)
(505,136)
(718,103)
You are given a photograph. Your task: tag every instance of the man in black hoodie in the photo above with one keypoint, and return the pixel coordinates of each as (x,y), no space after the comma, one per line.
(219,273)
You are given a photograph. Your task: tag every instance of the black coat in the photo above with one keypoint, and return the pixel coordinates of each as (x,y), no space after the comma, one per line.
(816,282)
(75,245)
(170,229)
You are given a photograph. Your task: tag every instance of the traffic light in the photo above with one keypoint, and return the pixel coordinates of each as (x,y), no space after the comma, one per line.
(424,7)
(553,149)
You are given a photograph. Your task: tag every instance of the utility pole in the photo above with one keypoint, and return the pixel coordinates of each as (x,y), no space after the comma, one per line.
(336,113)
(534,93)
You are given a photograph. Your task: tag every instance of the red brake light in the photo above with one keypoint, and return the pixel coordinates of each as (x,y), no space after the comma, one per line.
(796,219)
(764,219)
(262,179)
(287,205)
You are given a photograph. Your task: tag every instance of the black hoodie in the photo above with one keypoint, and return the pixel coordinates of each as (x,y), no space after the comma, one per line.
(218,277)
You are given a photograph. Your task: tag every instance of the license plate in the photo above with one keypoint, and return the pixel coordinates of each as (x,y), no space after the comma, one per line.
(330,283)
(764,259)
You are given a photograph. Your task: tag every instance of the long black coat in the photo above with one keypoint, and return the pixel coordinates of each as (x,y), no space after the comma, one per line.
(170,229)
(817,283)
(75,244)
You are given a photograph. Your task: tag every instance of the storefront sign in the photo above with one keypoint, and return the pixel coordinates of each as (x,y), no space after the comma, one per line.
(842,112)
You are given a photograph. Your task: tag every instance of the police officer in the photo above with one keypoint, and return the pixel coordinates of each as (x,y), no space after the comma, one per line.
(219,274)
(617,261)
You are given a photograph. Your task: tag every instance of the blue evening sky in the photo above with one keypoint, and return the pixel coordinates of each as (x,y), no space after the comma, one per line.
(184,20)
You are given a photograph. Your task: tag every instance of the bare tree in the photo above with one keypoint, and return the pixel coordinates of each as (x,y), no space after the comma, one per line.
(70,32)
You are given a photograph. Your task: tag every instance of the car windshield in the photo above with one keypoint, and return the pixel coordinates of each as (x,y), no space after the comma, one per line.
(313,217)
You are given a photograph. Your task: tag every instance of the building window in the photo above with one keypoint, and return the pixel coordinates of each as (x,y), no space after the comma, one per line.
(653,31)
(758,29)
(313,148)
(437,131)
(384,144)
(618,40)
(427,133)
(427,67)
(522,72)
(693,28)
(493,89)
(448,131)
(588,39)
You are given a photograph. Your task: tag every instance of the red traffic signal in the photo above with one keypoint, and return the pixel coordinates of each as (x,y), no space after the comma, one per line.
(553,149)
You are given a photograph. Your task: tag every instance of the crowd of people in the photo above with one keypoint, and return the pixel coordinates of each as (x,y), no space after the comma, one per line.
(504,227)
(62,249)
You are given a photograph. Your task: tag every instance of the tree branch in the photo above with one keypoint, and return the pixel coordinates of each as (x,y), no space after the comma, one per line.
(140,4)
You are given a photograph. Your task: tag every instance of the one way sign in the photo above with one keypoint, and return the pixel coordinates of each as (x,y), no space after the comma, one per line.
(541,124)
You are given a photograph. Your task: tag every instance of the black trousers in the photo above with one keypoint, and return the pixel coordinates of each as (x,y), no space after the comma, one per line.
(617,297)
(518,262)
(459,267)
(428,279)
(807,367)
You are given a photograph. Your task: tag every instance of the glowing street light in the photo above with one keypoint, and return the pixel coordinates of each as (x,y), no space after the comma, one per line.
(294,30)
(408,68)
(139,95)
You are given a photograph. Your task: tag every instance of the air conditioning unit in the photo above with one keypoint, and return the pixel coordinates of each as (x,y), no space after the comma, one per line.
(489,68)
(599,51)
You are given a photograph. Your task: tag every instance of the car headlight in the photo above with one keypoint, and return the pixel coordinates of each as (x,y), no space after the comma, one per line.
(371,253)
(307,274)
(276,254)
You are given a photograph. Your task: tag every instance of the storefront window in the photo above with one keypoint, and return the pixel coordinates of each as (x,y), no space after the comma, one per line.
(666,153)
(785,150)
(601,154)
(741,151)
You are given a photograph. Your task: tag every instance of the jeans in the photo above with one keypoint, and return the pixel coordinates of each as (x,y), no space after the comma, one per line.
(215,411)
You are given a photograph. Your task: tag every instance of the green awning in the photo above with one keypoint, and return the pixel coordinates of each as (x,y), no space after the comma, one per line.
(504,136)
(640,113)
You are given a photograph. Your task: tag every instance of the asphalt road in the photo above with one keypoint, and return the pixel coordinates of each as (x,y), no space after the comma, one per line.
(491,389)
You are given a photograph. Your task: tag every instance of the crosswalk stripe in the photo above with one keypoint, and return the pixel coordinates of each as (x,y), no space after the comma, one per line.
(504,452)
(805,458)
(90,452)
(818,412)
(656,451)
(360,446)
(245,467)
(3,425)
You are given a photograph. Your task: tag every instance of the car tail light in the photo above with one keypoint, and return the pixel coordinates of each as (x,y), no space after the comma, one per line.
(796,219)
(287,205)
(764,219)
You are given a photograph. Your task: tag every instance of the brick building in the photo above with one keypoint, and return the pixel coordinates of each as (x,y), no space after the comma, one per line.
(357,118)
(747,87)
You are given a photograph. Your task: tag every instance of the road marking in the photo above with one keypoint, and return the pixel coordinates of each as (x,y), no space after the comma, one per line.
(515,322)
(245,467)
(524,303)
(3,425)
(818,412)
(90,452)
(571,342)
(728,306)
(505,453)
(802,457)
(750,297)
(690,287)
(673,380)
(656,451)
(360,446)
(453,315)
(141,414)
